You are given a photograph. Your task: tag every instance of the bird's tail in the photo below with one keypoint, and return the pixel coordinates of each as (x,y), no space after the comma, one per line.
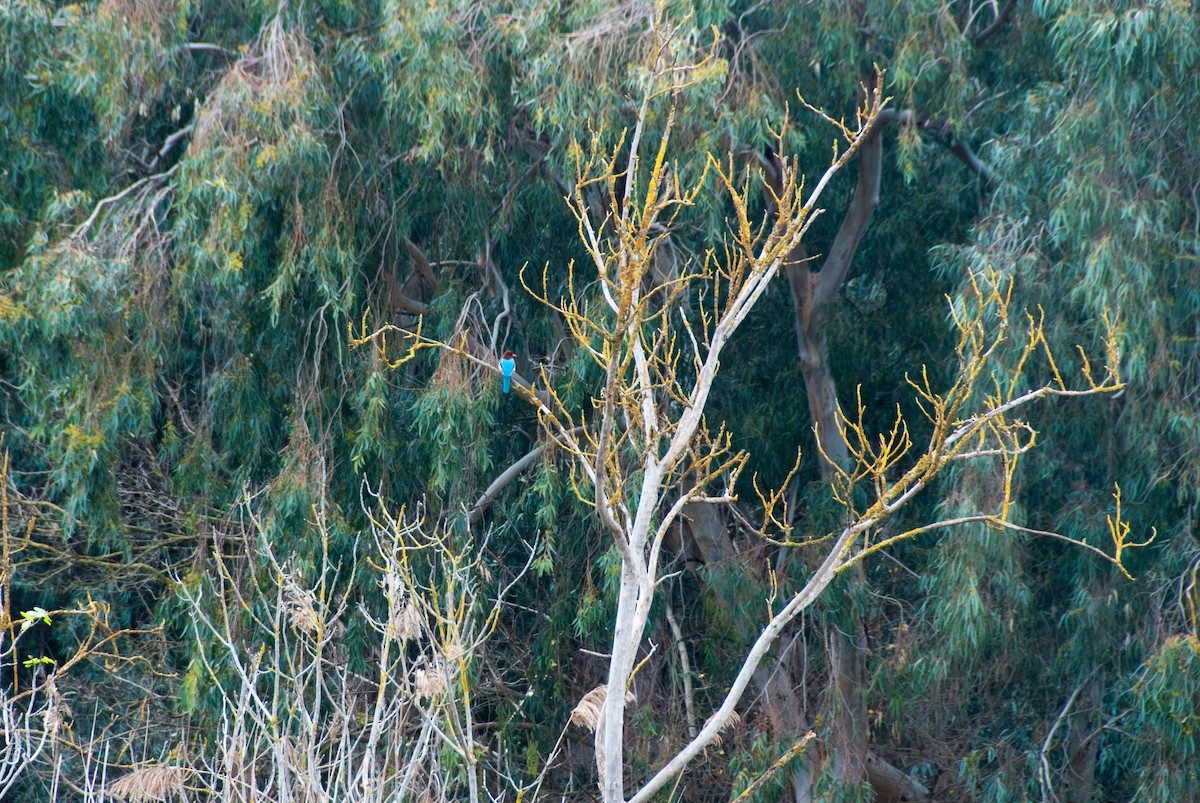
(507,384)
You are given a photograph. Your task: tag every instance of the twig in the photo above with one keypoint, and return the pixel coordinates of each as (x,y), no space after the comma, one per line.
(1044,769)
(686,670)
(207,47)
(779,764)
(170,142)
(506,477)
(103,202)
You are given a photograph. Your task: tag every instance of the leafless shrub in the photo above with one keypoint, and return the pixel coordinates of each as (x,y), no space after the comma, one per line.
(297,724)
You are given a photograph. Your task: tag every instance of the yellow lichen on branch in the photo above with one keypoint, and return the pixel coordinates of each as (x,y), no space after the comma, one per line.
(971,419)
(1118,530)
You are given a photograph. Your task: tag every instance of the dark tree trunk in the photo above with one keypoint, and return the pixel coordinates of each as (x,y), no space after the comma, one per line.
(848,711)
(1082,745)
(782,692)
(812,291)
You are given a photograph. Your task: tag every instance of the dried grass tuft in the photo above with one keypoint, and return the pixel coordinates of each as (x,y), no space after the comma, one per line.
(300,604)
(587,712)
(275,75)
(58,713)
(149,783)
(429,681)
(406,623)
(734,720)
(405,620)
(452,373)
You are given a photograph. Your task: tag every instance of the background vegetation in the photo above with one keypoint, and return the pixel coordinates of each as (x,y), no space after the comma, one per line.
(244,559)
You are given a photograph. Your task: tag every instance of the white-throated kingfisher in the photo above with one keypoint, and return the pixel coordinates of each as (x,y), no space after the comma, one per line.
(508,364)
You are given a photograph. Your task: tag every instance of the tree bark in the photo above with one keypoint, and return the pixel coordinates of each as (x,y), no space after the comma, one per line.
(813,290)
(785,712)
(891,785)
(1083,746)
(709,535)
(848,712)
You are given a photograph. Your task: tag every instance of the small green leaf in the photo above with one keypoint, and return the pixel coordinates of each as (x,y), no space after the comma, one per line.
(31,661)
(31,617)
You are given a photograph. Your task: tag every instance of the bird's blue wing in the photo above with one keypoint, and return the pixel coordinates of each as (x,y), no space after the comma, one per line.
(506,370)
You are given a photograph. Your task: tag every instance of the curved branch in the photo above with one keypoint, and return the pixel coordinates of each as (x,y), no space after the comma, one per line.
(965,155)
(112,199)
(170,142)
(854,225)
(996,24)
(424,268)
(506,477)
(501,482)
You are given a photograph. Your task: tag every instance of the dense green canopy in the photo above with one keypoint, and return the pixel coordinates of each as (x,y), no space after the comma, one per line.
(203,204)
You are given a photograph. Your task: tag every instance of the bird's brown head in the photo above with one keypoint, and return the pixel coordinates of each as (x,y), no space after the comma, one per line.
(508,355)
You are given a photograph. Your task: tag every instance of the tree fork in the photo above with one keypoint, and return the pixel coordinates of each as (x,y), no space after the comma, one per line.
(812,291)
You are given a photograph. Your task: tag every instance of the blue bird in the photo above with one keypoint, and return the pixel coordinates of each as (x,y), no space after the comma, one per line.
(508,364)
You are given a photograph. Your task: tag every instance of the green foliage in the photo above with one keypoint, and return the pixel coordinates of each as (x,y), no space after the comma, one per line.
(1167,703)
(198,199)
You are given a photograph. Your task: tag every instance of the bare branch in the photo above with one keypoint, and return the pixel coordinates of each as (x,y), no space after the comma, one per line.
(505,478)
(996,24)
